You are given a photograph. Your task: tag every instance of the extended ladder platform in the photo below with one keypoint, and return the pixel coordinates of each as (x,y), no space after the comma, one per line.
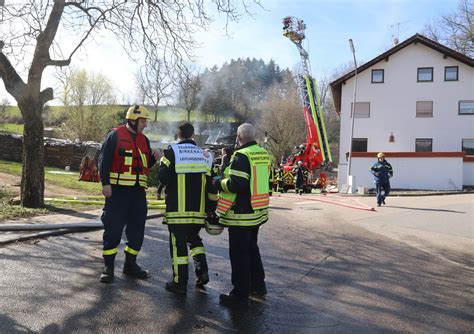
(294,29)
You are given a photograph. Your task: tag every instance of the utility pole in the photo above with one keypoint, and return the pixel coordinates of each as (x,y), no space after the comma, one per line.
(350,178)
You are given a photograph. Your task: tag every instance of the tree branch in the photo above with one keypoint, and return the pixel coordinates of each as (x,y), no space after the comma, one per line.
(12,80)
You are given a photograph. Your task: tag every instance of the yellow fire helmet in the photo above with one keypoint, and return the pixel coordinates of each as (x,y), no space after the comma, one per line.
(136,112)
(381,155)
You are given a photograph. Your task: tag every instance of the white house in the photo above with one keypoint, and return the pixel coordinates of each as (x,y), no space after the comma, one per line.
(415,103)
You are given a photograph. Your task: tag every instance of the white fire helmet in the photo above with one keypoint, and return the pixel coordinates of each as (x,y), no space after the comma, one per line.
(213,229)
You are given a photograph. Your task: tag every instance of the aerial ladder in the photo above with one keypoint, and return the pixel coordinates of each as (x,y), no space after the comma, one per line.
(315,154)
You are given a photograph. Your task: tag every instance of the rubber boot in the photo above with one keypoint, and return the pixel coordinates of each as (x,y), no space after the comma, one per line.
(202,280)
(132,269)
(107,275)
(176,288)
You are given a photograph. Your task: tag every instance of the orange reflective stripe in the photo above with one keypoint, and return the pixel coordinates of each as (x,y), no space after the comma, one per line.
(260,200)
(223,208)
(223,200)
(260,196)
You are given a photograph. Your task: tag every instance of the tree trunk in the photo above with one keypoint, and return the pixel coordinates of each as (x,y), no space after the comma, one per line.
(32,176)
(189,115)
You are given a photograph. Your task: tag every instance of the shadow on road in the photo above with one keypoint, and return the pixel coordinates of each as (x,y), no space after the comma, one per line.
(9,325)
(319,279)
(424,209)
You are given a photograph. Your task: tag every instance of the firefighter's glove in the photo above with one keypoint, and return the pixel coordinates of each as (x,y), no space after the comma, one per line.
(212,218)
(215,181)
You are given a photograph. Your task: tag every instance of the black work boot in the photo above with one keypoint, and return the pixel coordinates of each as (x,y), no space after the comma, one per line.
(232,299)
(107,275)
(176,288)
(259,291)
(202,280)
(132,269)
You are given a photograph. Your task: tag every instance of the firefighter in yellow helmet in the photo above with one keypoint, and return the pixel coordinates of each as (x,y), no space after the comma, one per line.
(382,172)
(124,162)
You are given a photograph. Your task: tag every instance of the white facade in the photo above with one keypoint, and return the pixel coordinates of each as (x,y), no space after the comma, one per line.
(393,111)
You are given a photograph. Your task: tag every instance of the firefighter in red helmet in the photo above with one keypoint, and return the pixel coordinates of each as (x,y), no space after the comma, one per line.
(124,162)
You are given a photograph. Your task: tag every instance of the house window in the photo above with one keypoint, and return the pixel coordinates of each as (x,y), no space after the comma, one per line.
(465,108)
(362,109)
(377,76)
(451,73)
(359,144)
(424,108)
(425,74)
(468,146)
(424,145)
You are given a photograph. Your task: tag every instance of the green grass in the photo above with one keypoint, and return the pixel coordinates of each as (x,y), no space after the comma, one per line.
(11,211)
(165,113)
(13,111)
(12,128)
(8,211)
(70,181)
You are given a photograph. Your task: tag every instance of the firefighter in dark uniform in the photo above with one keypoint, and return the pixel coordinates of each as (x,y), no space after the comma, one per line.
(185,170)
(124,162)
(271,180)
(243,207)
(280,179)
(382,171)
(300,176)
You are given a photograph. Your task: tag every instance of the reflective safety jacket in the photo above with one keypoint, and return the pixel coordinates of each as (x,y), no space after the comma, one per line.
(189,191)
(243,197)
(130,160)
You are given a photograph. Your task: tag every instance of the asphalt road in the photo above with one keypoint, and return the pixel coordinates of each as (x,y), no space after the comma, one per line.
(407,267)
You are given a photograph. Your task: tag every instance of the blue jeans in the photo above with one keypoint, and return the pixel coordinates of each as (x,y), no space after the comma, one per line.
(379,187)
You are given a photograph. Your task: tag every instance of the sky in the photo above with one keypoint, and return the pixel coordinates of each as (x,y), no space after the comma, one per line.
(371,24)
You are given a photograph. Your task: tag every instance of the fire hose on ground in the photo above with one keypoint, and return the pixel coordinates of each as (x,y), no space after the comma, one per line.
(61,229)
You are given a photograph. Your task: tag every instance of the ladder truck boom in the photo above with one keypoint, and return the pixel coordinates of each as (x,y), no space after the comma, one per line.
(315,153)
(294,29)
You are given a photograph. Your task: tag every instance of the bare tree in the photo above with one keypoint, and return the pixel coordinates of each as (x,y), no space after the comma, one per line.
(282,117)
(154,81)
(331,118)
(32,33)
(87,99)
(190,85)
(456,30)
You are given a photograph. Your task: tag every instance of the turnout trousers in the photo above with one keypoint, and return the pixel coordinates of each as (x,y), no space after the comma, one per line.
(126,208)
(247,268)
(182,237)
(379,187)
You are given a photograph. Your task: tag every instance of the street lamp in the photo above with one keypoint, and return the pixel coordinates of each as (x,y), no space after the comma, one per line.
(350,178)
